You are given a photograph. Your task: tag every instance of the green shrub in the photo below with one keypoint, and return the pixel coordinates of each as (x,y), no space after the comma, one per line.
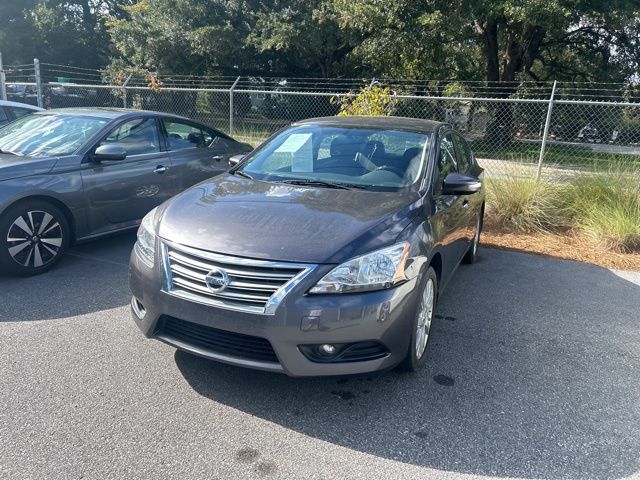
(374,100)
(524,204)
(606,207)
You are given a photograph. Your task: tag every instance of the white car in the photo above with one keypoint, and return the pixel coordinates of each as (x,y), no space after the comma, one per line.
(9,111)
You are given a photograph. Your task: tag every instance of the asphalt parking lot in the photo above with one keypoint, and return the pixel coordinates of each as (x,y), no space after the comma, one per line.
(533,372)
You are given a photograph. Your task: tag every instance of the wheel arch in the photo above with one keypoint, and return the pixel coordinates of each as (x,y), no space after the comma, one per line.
(436,263)
(66,211)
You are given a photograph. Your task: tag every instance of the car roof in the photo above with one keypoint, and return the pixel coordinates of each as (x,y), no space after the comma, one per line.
(382,122)
(106,112)
(9,103)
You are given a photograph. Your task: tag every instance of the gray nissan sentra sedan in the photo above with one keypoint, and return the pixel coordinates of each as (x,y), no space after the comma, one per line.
(322,252)
(72,175)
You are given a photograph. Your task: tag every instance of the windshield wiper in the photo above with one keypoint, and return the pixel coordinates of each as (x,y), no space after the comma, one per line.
(240,173)
(323,184)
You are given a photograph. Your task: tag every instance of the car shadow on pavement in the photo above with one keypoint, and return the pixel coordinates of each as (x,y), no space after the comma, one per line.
(533,372)
(90,277)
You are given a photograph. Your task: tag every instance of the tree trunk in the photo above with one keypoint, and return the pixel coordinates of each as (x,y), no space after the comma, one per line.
(488,32)
(522,46)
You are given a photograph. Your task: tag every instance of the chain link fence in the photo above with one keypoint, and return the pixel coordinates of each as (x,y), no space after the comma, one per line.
(554,131)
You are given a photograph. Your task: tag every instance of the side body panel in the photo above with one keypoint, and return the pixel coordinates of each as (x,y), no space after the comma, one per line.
(122,192)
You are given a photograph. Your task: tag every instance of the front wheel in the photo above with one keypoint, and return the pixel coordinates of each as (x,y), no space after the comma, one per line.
(33,236)
(421,327)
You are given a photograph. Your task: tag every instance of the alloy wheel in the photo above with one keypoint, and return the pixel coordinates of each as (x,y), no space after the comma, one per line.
(34,239)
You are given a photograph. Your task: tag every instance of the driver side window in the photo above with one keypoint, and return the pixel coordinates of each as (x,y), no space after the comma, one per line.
(465,158)
(136,136)
(446,158)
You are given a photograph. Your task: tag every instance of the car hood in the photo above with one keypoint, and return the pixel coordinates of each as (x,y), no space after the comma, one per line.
(250,218)
(13,166)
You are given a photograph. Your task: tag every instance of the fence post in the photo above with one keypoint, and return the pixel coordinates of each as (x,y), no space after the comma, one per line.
(124,90)
(3,80)
(231,105)
(36,68)
(545,135)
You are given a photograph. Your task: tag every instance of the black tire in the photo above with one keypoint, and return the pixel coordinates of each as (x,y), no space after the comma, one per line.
(34,235)
(414,360)
(472,254)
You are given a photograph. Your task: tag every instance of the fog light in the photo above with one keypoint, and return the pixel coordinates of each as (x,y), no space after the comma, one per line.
(138,308)
(327,349)
(344,352)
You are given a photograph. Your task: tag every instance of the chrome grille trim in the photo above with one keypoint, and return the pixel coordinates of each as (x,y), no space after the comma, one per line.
(256,286)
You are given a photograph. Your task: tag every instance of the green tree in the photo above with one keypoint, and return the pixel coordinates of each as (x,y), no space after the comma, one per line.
(70,32)
(503,39)
(291,37)
(409,39)
(16,37)
(184,36)
(305,34)
(507,37)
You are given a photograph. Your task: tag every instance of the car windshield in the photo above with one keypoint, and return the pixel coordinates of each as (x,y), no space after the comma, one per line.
(368,158)
(38,135)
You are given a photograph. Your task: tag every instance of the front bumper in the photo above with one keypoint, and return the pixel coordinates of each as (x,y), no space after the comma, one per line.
(385,316)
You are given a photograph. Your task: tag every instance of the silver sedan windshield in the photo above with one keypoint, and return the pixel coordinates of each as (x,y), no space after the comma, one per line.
(38,135)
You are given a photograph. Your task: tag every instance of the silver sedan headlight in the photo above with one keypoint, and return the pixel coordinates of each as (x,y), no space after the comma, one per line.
(377,270)
(146,243)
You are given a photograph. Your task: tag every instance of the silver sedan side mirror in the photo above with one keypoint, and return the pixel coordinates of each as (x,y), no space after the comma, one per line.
(236,159)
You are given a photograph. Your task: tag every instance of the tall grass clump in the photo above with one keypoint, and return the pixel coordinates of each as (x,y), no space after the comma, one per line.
(524,204)
(254,135)
(606,207)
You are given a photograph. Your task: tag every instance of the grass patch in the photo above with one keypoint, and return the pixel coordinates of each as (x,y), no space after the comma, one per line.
(566,155)
(604,207)
(523,204)
(251,134)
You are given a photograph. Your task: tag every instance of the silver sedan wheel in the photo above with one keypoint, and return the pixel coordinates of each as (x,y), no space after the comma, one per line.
(425,316)
(34,239)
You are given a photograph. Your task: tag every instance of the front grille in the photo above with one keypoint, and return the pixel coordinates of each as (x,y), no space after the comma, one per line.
(255,286)
(215,340)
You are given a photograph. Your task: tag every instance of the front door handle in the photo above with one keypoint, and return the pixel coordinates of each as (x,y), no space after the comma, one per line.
(217,158)
(160,169)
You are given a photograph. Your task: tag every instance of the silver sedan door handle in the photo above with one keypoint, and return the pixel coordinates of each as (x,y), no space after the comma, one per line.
(217,158)
(160,169)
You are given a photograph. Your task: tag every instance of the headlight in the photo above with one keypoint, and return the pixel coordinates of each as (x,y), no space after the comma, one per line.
(146,244)
(383,268)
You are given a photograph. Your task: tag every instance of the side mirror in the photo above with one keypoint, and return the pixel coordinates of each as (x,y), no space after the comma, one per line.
(109,152)
(236,159)
(459,184)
